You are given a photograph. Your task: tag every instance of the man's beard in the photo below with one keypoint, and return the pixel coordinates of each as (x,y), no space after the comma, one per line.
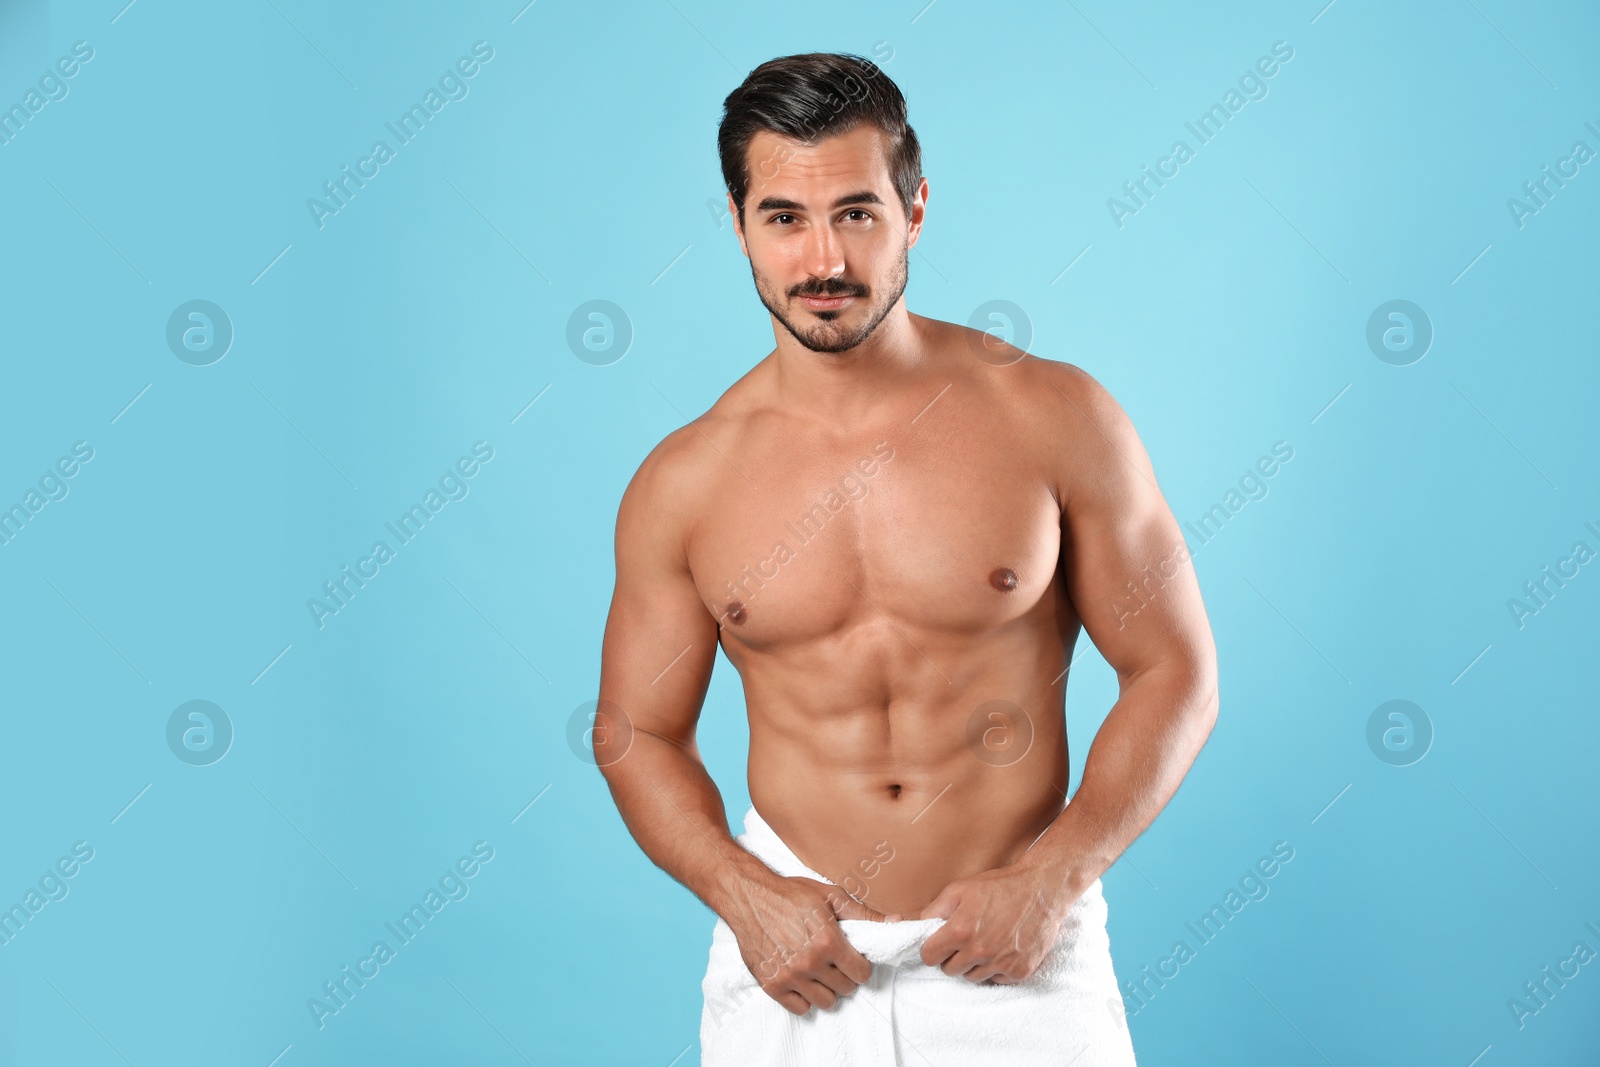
(829,334)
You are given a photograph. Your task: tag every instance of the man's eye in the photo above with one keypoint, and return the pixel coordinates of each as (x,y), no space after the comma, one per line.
(785,215)
(858,211)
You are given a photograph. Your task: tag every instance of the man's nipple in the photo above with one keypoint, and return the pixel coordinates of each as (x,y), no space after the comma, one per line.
(1003,579)
(736,612)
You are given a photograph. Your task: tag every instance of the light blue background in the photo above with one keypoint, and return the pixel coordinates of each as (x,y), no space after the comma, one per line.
(1228,314)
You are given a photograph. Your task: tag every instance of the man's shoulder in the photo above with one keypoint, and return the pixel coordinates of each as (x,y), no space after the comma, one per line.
(1057,401)
(671,470)
(1103,466)
(1072,424)
(1061,382)
(686,460)
(1018,374)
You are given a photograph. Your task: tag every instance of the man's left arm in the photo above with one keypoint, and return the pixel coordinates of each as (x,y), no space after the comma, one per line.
(1129,575)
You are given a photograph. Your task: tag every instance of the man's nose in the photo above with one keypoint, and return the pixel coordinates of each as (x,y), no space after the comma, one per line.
(824,253)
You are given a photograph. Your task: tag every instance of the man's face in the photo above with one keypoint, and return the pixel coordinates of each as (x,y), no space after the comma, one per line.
(826,235)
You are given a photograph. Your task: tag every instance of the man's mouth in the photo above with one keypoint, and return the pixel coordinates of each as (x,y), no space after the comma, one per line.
(826,303)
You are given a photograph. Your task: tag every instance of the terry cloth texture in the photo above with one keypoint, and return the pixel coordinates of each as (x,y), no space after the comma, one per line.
(1068,1012)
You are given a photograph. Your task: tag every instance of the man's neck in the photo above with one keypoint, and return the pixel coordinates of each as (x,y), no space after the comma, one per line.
(852,387)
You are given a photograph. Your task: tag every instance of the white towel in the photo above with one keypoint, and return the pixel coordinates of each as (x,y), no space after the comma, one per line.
(1068,1012)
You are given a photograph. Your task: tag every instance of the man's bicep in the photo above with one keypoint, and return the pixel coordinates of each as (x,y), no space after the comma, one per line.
(1127,567)
(660,641)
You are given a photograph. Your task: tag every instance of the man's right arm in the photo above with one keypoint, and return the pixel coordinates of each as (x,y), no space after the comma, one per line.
(660,645)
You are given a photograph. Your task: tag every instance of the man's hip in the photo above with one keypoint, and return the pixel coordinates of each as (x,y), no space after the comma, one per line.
(1067,1011)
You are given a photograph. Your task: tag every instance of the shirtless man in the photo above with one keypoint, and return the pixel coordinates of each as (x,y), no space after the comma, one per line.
(894,526)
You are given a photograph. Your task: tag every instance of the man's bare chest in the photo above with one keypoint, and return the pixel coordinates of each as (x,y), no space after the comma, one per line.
(956,532)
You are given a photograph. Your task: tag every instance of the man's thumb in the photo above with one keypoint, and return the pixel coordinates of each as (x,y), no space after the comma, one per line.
(847,907)
(941,906)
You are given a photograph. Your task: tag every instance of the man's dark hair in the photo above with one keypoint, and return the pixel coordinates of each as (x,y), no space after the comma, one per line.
(809,97)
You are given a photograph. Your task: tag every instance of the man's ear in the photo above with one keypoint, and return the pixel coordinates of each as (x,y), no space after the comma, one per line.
(738,227)
(919,210)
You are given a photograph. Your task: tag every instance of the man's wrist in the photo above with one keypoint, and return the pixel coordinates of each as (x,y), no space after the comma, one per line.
(732,880)
(1063,881)
(1064,859)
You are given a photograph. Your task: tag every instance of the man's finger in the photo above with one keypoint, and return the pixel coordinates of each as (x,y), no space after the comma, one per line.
(958,965)
(855,966)
(816,993)
(847,907)
(835,979)
(943,905)
(853,909)
(940,949)
(793,1002)
(941,945)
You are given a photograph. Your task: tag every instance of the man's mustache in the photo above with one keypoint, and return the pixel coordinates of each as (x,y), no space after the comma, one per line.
(838,289)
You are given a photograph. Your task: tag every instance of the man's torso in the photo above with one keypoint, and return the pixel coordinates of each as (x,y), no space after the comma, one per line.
(891,594)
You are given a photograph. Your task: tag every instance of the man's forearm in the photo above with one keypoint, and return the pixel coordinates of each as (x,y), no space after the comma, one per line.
(1146,745)
(675,813)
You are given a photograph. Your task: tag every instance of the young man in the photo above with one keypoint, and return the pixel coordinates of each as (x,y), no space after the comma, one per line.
(895,527)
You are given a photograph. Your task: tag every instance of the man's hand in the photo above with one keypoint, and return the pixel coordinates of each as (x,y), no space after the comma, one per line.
(999,924)
(789,936)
